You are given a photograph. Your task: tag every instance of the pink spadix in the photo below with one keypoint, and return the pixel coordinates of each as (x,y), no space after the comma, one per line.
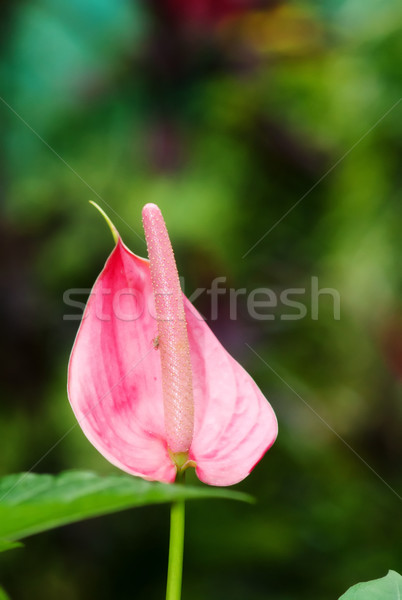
(151,386)
(177,379)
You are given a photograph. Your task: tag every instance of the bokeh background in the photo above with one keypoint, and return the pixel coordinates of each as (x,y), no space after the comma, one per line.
(226,113)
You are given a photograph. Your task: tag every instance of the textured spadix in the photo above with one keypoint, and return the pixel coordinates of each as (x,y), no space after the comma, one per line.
(116,391)
(172,342)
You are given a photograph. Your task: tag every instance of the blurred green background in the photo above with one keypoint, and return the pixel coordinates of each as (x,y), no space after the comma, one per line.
(226,113)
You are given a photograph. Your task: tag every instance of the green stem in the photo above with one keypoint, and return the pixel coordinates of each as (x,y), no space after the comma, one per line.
(176,545)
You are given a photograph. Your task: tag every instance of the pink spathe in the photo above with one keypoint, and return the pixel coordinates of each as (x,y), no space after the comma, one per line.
(146,383)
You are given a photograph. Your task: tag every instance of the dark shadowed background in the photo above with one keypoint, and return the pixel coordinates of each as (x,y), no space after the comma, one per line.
(270,135)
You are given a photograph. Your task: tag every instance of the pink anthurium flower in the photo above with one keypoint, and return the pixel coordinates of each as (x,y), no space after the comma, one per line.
(151,386)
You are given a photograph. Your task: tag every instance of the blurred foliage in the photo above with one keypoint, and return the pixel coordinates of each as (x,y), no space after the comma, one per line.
(3,595)
(270,135)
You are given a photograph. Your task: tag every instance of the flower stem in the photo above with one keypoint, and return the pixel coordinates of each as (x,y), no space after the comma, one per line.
(176,545)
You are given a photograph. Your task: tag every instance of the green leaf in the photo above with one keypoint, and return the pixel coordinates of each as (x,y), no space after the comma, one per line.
(7,545)
(31,503)
(386,588)
(3,595)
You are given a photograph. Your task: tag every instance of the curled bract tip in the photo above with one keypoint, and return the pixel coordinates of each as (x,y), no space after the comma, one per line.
(112,228)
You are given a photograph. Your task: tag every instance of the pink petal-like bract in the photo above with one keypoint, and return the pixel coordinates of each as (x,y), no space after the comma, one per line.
(151,386)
